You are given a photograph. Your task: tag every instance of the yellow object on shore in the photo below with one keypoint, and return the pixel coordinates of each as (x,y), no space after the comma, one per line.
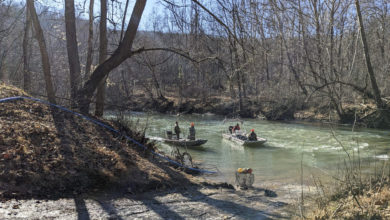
(244,170)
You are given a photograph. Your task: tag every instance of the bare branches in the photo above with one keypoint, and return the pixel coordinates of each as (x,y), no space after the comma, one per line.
(359,89)
(120,55)
(218,20)
(175,51)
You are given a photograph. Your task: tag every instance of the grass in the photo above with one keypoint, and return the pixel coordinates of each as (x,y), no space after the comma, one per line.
(359,190)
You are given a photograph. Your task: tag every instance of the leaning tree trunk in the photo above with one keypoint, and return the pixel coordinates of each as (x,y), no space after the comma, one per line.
(72,48)
(124,20)
(43,50)
(122,52)
(101,92)
(377,93)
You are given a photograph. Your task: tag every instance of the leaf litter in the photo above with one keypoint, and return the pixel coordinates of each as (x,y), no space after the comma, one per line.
(48,153)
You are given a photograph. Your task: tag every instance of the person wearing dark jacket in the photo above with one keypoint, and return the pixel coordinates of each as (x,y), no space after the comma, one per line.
(191,130)
(231,129)
(177,130)
(252,136)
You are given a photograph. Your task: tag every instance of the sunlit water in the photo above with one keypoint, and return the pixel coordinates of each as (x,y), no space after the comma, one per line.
(290,146)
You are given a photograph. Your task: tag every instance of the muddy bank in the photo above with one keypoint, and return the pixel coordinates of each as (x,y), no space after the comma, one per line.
(192,202)
(360,114)
(217,105)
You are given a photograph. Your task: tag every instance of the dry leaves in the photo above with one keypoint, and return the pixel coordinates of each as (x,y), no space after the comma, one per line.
(45,152)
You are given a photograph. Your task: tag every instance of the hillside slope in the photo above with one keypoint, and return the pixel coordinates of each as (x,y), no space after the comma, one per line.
(46,152)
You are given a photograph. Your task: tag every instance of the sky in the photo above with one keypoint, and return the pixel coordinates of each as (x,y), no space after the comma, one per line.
(152,7)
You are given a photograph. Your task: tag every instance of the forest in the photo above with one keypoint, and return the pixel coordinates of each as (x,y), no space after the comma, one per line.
(249,58)
(100,99)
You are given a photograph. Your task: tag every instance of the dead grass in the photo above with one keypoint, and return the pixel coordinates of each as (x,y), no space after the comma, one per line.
(369,204)
(354,194)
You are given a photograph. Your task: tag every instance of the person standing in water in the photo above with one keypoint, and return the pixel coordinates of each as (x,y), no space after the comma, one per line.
(177,130)
(191,135)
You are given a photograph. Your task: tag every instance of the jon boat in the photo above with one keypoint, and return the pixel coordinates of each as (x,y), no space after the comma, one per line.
(185,142)
(244,141)
(241,138)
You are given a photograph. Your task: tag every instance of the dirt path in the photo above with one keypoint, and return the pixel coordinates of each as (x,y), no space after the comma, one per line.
(195,202)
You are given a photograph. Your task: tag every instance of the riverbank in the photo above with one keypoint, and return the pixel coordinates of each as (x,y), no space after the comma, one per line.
(55,164)
(365,199)
(364,114)
(50,153)
(64,166)
(189,202)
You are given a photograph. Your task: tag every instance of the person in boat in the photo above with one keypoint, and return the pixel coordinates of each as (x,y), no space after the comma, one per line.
(252,136)
(231,129)
(191,130)
(177,130)
(236,128)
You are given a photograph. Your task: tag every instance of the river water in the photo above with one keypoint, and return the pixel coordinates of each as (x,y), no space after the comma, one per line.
(293,148)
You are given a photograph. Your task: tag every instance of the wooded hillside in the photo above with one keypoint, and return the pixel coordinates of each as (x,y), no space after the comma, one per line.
(287,56)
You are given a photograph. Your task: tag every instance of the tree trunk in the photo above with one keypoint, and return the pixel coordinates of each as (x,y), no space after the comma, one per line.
(101,92)
(43,50)
(120,54)
(377,93)
(90,41)
(124,20)
(237,60)
(72,49)
(26,67)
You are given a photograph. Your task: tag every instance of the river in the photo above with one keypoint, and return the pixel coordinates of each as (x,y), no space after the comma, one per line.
(293,148)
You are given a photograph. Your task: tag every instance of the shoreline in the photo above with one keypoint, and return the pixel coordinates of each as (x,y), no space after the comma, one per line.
(147,187)
(358,114)
(202,201)
(362,112)
(296,120)
(101,175)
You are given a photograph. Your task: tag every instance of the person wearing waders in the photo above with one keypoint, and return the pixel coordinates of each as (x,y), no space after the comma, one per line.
(177,130)
(191,130)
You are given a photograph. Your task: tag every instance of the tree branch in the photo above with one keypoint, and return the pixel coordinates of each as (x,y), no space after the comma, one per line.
(355,87)
(172,50)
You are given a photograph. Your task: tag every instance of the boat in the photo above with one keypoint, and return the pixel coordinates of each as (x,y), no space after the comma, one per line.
(243,140)
(185,142)
(240,137)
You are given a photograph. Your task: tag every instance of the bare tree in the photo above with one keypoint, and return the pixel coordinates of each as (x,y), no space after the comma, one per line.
(120,54)
(72,48)
(101,90)
(377,93)
(26,53)
(90,40)
(44,54)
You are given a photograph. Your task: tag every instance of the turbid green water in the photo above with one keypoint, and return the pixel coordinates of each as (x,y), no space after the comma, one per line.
(279,160)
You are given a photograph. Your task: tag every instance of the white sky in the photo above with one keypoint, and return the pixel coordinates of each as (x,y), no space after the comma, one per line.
(58,5)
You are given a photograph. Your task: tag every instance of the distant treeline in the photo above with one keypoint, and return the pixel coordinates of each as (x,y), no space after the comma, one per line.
(313,53)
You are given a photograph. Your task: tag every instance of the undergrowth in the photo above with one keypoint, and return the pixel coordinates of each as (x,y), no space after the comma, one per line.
(359,190)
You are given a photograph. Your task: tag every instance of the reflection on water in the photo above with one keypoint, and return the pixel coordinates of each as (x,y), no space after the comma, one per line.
(280,158)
